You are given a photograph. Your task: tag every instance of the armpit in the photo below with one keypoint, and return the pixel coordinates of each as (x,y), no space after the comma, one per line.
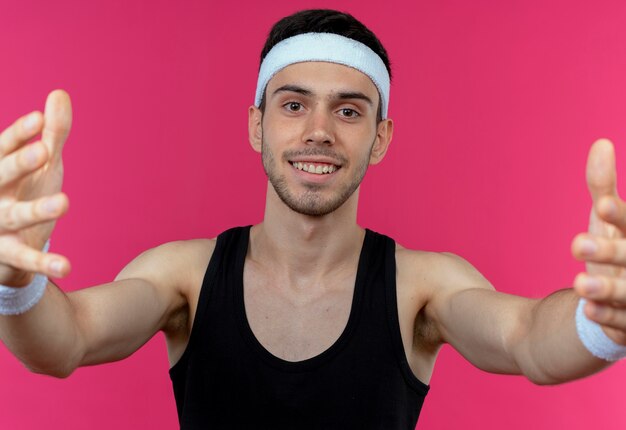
(426,337)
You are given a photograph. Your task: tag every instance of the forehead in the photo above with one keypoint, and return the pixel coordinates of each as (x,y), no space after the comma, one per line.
(324,78)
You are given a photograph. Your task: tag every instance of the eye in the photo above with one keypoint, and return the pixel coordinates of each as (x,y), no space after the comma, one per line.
(348,113)
(293,106)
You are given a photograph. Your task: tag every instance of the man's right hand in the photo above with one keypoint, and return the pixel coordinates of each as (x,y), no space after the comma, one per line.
(31,176)
(87,326)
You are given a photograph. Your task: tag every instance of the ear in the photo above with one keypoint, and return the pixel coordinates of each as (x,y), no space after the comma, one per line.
(255,130)
(384,133)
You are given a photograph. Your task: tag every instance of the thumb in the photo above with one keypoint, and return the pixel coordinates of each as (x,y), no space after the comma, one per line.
(601,173)
(57,122)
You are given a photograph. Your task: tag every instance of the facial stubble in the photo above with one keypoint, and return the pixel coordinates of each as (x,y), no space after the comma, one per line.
(312,202)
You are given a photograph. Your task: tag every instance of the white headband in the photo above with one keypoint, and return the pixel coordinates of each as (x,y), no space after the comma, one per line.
(330,48)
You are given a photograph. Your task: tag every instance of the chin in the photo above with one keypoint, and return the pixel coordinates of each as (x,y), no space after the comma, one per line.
(311,203)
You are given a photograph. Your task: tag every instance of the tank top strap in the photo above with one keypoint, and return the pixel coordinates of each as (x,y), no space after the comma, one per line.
(228,248)
(390,291)
(380,313)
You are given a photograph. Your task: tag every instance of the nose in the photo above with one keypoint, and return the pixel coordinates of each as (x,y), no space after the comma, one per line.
(319,128)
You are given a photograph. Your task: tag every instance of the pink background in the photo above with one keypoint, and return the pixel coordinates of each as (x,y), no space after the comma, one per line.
(496,104)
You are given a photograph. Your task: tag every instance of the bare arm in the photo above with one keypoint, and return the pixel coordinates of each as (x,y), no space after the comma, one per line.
(503,333)
(98,324)
(508,334)
(94,325)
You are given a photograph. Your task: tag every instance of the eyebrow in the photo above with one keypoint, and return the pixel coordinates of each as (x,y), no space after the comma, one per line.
(293,89)
(354,95)
(341,95)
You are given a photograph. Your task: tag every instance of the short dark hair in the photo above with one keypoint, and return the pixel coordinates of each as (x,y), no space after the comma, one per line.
(325,21)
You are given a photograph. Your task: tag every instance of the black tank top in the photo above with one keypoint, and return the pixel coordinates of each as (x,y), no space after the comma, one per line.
(226,379)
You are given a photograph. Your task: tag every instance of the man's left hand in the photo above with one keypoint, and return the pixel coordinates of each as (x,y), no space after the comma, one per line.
(603,247)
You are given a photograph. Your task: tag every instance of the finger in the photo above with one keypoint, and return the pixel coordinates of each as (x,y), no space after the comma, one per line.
(57,122)
(20,215)
(20,132)
(19,163)
(23,257)
(601,289)
(601,173)
(612,210)
(597,249)
(606,316)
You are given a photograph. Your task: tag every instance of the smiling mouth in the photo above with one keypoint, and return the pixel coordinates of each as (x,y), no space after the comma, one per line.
(316,168)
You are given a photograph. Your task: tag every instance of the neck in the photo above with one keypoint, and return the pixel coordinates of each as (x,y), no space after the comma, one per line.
(305,248)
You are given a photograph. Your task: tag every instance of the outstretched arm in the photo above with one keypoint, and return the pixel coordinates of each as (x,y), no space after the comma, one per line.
(95,325)
(508,334)
(502,333)
(100,324)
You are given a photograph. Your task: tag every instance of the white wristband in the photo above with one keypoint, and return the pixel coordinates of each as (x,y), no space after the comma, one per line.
(594,338)
(17,300)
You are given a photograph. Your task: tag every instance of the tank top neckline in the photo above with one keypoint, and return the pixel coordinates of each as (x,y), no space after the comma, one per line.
(337,345)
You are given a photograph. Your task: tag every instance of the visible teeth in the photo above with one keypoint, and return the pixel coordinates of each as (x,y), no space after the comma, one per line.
(311,168)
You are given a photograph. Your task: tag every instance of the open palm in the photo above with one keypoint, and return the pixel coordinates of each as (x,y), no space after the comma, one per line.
(603,247)
(31,177)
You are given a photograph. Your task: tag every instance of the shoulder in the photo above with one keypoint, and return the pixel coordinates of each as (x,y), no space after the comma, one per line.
(436,274)
(173,264)
(426,284)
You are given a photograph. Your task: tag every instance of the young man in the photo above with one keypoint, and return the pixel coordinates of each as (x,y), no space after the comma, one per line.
(305,320)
